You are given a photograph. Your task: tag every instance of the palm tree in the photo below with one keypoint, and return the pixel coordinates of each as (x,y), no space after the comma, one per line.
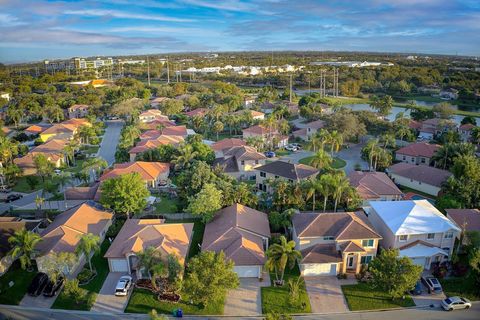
(325,188)
(476,135)
(314,143)
(324,137)
(88,243)
(39,202)
(388,140)
(336,140)
(8,150)
(402,132)
(312,187)
(69,151)
(371,145)
(156,271)
(321,160)
(148,259)
(23,243)
(185,156)
(340,184)
(279,255)
(94,166)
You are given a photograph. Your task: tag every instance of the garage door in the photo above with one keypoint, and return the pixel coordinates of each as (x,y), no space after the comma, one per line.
(247,271)
(319,269)
(419,261)
(118,265)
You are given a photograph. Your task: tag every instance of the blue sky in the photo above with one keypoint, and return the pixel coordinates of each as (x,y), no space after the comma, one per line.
(41,29)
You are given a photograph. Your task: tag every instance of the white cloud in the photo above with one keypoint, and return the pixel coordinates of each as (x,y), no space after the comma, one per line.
(124,15)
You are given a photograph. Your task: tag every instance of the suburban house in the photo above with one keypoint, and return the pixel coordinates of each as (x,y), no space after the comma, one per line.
(240,162)
(374,186)
(150,144)
(151,115)
(465,219)
(225,144)
(81,193)
(35,129)
(283,170)
(242,233)
(267,135)
(433,127)
(64,130)
(248,101)
(8,227)
(156,102)
(64,233)
(53,150)
(422,178)
(256,115)
(309,130)
(78,111)
(156,123)
(465,131)
(417,153)
(416,228)
(449,94)
(199,112)
(151,172)
(167,131)
(333,243)
(137,235)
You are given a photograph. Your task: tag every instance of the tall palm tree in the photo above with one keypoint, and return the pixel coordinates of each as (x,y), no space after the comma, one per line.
(325,188)
(336,141)
(69,151)
(324,137)
(94,166)
(8,150)
(340,184)
(321,160)
(311,187)
(39,202)
(185,156)
(388,140)
(148,259)
(314,143)
(23,243)
(371,146)
(88,244)
(279,255)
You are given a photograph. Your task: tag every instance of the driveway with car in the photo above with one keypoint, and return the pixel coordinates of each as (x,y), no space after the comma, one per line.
(326,294)
(246,299)
(426,299)
(106,299)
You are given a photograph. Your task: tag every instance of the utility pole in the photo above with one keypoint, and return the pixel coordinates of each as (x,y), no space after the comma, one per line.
(168,72)
(148,70)
(290,88)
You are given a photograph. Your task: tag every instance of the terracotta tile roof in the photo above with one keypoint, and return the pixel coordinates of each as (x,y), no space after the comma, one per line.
(372,185)
(153,125)
(147,170)
(64,233)
(81,193)
(51,146)
(200,112)
(244,153)
(149,144)
(152,113)
(468,219)
(159,100)
(419,149)
(300,132)
(238,231)
(77,122)
(288,170)
(175,131)
(228,165)
(425,174)
(254,113)
(36,129)
(137,235)
(466,127)
(340,225)
(227,144)
(260,130)
(321,253)
(414,124)
(60,128)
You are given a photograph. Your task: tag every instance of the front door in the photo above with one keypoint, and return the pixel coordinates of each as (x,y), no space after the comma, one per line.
(350,262)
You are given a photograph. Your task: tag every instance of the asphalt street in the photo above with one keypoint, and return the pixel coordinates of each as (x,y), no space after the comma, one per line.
(110,140)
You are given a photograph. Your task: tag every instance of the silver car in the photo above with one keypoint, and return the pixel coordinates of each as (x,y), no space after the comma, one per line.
(432,284)
(123,285)
(454,303)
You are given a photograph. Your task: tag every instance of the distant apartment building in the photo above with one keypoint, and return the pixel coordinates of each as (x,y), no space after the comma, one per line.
(77,64)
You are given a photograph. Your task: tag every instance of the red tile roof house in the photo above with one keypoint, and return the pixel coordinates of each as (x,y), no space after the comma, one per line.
(150,144)
(156,102)
(422,178)
(155,124)
(333,243)
(200,112)
(417,153)
(242,233)
(78,111)
(465,131)
(269,136)
(137,235)
(53,150)
(36,129)
(151,172)
(282,170)
(240,162)
(151,115)
(167,131)
(225,144)
(465,219)
(434,127)
(256,115)
(374,186)
(309,130)
(64,233)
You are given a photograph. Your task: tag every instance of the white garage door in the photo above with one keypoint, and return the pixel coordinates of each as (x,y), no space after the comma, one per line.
(419,261)
(118,265)
(247,271)
(319,269)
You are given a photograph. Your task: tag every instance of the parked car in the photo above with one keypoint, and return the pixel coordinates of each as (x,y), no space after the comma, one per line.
(432,284)
(269,154)
(455,303)
(13,197)
(291,147)
(417,290)
(123,285)
(57,171)
(53,288)
(297,145)
(38,284)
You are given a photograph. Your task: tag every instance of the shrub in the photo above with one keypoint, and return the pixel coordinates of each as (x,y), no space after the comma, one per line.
(85,276)
(342,276)
(115,228)
(74,291)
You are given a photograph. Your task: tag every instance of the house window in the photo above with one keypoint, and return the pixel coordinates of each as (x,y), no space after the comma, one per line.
(404,158)
(263,174)
(448,235)
(256,161)
(430,236)
(423,160)
(403,237)
(367,243)
(447,250)
(290,180)
(276,177)
(242,162)
(365,259)
(327,238)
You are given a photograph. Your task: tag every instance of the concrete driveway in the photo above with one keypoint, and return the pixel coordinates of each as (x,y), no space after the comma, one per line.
(110,140)
(326,294)
(106,299)
(427,299)
(38,302)
(246,300)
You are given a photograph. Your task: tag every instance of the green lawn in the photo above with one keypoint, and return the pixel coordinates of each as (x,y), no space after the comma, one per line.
(362,297)
(336,164)
(281,153)
(143,301)
(90,149)
(92,288)
(167,205)
(464,287)
(22,185)
(76,168)
(276,299)
(21,280)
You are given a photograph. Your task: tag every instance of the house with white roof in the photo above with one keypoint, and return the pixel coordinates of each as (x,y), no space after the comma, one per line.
(416,228)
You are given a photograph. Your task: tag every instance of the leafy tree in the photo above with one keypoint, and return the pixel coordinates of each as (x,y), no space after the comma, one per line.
(446,155)
(392,273)
(383,105)
(444,110)
(421,114)
(281,220)
(43,165)
(464,185)
(347,124)
(209,276)
(206,202)
(447,202)
(88,244)
(23,244)
(57,263)
(469,120)
(171,107)
(217,127)
(151,260)
(321,160)
(125,194)
(279,255)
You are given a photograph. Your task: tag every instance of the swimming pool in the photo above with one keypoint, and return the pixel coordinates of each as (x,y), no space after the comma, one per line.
(419,197)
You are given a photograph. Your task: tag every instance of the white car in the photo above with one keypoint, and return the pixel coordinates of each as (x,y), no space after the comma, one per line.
(454,303)
(123,285)
(291,148)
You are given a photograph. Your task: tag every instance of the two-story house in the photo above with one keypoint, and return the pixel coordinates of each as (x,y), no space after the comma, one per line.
(465,131)
(333,243)
(78,111)
(290,172)
(374,186)
(417,153)
(309,130)
(269,136)
(151,115)
(240,162)
(226,144)
(416,228)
